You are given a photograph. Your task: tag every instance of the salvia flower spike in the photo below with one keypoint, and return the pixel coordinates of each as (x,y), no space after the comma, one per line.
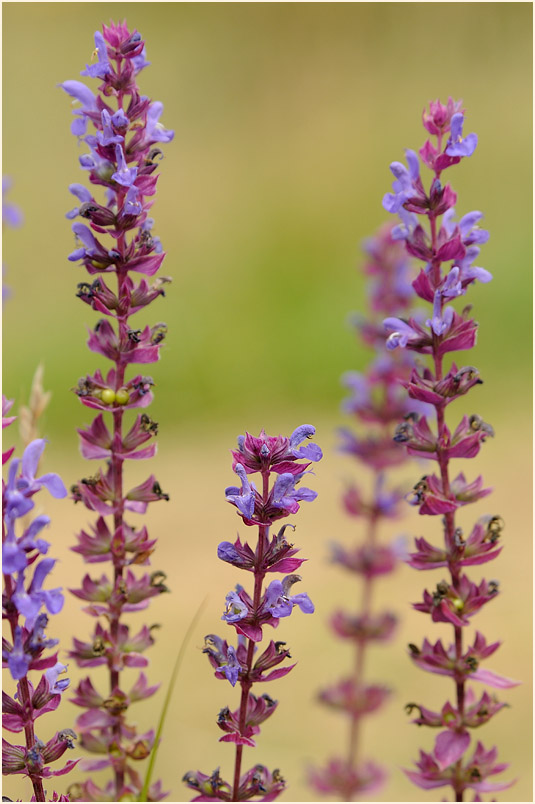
(281,464)
(116,245)
(27,603)
(448,247)
(377,401)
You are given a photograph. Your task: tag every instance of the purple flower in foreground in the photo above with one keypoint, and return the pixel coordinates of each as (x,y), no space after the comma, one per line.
(25,595)
(269,456)
(455,599)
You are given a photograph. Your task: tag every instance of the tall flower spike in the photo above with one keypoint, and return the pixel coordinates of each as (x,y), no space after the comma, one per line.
(278,462)
(377,401)
(447,251)
(27,602)
(117,240)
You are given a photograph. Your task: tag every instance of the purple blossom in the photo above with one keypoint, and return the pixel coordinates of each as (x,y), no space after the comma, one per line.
(401,333)
(403,185)
(442,320)
(102,68)
(242,498)
(456,145)
(235,609)
(280,603)
(154,131)
(123,175)
(106,136)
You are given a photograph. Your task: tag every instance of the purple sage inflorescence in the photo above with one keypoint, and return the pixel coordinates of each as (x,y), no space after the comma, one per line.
(456,599)
(26,599)
(378,401)
(123,158)
(265,455)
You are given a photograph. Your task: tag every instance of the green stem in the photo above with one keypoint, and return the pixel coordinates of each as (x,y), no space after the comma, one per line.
(143,796)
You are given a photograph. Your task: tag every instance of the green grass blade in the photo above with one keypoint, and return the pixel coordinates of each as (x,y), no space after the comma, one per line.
(143,796)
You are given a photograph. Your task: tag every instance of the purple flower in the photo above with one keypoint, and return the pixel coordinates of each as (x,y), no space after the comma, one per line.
(310,451)
(102,68)
(52,675)
(83,94)
(452,286)
(403,185)
(231,670)
(123,175)
(280,604)
(441,320)
(235,609)
(456,145)
(286,496)
(106,136)
(82,194)
(30,601)
(401,333)
(20,488)
(243,498)
(18,660)
(154,131)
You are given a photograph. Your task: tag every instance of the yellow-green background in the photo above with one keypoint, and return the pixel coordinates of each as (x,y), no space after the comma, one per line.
(286,119)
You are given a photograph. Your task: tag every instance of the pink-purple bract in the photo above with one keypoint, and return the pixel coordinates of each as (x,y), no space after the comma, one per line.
(377,402)
(448,247)
(117,244)
(246,664)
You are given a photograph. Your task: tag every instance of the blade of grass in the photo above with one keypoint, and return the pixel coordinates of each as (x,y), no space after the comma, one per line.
(143,796)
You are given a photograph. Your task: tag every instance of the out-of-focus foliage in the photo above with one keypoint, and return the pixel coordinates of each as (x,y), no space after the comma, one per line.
(284,116)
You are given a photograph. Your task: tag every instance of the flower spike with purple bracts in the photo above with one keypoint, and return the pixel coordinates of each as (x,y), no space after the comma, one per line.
(27,602)
(448,249)
(377,402)
(244,664)
(117,239)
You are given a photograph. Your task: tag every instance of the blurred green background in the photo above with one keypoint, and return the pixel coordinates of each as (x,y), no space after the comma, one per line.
(286,119)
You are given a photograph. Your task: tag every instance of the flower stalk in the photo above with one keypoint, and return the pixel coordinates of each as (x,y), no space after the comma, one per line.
(277,459)
(448,249)
(377,403)
(123,157)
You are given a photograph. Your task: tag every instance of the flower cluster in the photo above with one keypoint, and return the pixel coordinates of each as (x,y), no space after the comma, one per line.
(448,248)
(26,601)
(377,402)
(244,664)
(124,151)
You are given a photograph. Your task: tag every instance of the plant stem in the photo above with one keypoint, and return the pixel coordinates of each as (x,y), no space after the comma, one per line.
(449,518)
(246,684)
